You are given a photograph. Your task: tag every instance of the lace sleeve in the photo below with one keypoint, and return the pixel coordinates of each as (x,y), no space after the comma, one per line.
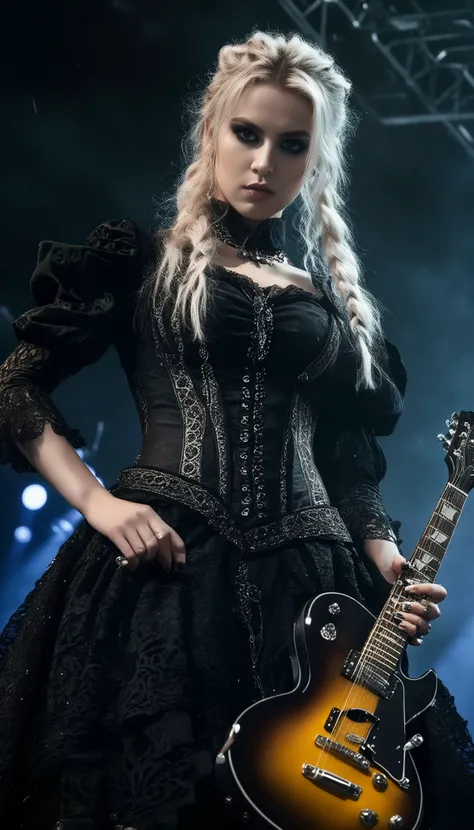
(26,378)
(352,465)
(81,291)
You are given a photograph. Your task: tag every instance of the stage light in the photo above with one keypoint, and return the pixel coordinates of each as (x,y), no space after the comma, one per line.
(441,55)
(34,497)
(465,132)
(65,525)
(22,534)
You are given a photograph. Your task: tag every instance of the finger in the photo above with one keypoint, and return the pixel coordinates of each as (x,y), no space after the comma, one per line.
(398,563)
(125,548)
(409,626)
(436,592)
(428,612)
(151,541)
(178,550)
(138,546)
(164,550)
(415,641)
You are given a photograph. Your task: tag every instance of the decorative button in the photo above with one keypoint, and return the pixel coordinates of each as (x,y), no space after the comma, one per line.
(334,608)
(328,632)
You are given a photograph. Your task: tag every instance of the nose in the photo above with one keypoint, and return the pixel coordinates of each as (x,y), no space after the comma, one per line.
(262,164)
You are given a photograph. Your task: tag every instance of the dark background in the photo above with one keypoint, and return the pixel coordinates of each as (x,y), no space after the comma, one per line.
(92,121)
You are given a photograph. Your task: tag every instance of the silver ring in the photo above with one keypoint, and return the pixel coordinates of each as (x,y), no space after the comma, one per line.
(119,560)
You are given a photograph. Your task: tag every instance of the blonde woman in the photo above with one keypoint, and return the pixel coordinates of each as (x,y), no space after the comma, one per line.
(260,387)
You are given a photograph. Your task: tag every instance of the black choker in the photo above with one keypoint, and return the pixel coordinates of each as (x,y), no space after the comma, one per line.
(264,244)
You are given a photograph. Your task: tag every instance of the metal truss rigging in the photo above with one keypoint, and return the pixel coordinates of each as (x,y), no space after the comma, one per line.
(423,54)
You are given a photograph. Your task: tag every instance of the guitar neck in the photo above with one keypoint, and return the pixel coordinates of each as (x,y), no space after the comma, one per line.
(430,550)
(386,642)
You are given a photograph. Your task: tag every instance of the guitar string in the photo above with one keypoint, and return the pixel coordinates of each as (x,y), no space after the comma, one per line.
(381,620)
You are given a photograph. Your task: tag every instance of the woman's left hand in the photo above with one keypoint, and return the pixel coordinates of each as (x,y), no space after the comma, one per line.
(414,618)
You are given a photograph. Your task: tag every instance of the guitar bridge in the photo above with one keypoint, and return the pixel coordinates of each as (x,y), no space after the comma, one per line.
(363,672)
(355,759)
(332,783)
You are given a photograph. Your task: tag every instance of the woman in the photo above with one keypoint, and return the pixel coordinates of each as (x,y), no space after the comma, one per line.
(260,388)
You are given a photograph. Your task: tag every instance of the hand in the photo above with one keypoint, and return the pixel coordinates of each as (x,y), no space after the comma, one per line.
(415,617)
(136,530)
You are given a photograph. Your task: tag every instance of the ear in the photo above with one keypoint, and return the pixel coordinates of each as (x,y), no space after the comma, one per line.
(207,130)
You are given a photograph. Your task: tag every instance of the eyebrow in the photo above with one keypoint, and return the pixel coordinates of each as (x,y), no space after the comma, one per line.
(289,134)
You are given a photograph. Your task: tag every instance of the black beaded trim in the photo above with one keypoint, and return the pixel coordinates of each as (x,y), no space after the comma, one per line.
(252,406)
(324,522)
(256,255)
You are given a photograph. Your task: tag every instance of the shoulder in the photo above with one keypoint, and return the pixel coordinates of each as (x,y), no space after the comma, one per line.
(111,258)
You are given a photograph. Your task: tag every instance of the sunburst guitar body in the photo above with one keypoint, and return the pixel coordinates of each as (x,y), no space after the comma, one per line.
(339,751)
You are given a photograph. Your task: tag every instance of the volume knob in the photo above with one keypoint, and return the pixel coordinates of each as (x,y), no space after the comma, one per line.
(395,823)
(368,818)
(380,782)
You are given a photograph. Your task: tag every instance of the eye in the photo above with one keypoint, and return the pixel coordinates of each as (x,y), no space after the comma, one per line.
(294,147)
(245,134)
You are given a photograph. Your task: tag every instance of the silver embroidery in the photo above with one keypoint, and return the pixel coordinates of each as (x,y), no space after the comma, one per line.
(251,616)
(284,471)
(303,422)
(326,358)
(189,493)
(193,412)
(312,522)
(213,401)
(252,409)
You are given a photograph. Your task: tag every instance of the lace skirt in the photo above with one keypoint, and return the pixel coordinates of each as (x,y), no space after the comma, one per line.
(117,689)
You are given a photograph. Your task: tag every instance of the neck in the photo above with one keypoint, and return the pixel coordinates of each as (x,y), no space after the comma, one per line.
(261,242)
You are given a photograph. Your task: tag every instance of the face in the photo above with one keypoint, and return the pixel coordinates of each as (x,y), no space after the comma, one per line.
(263,140)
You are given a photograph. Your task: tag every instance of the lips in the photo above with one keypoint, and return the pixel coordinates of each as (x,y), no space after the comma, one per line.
(261,188)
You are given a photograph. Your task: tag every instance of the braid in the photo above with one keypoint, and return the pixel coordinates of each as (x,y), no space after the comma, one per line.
(343,266)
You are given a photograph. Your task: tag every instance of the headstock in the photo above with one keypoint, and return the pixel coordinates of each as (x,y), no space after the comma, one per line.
(459,445)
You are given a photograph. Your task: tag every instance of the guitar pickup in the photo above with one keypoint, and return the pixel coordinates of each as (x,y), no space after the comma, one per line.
(355,759)
(332,783)
(365,673)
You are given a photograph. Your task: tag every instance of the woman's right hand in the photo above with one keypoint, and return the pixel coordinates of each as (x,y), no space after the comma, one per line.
(136,530)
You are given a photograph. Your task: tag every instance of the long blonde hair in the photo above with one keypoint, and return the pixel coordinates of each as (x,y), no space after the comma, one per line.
(189,246)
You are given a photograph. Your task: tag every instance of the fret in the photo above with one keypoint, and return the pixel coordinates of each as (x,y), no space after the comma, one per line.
(449,484)
(421,566)
(449,511)
(386,642)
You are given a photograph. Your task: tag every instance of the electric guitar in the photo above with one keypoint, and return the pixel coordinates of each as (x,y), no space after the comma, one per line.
(335,753)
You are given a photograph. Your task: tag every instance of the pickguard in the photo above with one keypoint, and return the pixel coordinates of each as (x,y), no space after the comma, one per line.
(387,736)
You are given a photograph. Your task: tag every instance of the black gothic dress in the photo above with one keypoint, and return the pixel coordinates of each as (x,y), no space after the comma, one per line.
(118,689)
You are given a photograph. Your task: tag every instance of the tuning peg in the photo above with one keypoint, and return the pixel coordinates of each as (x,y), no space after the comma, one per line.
(455,416)
(444,441)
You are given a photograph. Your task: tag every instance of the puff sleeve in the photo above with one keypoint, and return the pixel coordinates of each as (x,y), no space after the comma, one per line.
(350,458)
(81,292)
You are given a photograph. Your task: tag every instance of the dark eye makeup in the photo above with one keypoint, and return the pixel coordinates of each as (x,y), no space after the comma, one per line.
(247,135)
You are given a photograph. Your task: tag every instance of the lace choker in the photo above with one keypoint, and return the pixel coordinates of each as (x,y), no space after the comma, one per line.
(263,244)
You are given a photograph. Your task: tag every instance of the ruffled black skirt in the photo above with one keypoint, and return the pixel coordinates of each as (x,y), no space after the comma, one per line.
(118,689)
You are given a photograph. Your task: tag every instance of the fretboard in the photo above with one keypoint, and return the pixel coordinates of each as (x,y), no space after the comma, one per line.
(386,642)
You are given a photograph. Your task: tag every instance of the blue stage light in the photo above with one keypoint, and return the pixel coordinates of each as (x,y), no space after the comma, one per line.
(34,496)
(22,534)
